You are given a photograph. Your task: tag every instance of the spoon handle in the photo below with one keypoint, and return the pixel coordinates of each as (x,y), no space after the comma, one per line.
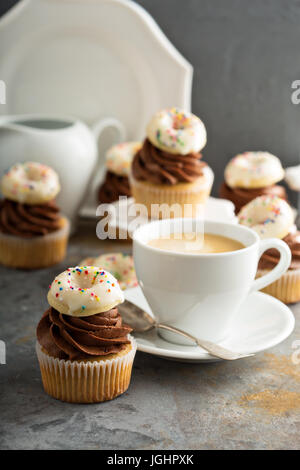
(212,348)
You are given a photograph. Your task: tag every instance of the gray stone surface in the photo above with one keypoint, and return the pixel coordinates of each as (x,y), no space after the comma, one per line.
(250,404)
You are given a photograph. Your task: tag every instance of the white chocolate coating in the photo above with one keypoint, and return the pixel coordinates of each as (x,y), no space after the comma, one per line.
(30,183)
(84,290)
(253,170)
(269,216)
(292,177)
(120,265)
(176,131)
(119,157)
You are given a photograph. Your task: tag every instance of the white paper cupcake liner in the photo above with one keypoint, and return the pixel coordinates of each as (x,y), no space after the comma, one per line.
(36,252)
(188,197)
(86,382)
(286,288)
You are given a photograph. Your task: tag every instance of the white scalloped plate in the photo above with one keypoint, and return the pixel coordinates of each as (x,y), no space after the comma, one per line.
(90,59)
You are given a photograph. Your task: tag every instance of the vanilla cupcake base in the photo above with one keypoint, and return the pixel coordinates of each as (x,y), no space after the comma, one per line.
(182,194)
(37,252)
(90,381)
(286,288)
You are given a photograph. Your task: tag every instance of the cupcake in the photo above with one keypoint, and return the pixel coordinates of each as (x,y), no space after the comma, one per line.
(118,163)
(168,169)
(84,350)
(271,217)
(287,288)
(250,175)
(33,233)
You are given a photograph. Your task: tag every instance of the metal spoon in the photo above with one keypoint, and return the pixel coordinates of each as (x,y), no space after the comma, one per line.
(141,322)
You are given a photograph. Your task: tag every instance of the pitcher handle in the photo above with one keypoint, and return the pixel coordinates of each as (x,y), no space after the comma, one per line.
(279,269)
(98,128)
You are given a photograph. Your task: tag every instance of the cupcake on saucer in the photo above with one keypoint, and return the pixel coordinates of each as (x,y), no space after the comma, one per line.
(118,163)
(84,350)
(168,169)
(33,233)
(271,216)
(250,175)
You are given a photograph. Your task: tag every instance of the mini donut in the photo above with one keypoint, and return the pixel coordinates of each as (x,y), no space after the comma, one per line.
(253,170)
(84,290)
(30,183)
(292,177)
(270,216)
(119,157)
(176,131)
(120,265)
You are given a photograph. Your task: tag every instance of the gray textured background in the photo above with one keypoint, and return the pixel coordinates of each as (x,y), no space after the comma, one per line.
(245,56)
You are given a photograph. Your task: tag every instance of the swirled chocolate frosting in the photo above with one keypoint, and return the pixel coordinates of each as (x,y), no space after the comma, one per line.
(113,187)
(28,221)
(156,166)
(241,196)
(67,337)
(271,257)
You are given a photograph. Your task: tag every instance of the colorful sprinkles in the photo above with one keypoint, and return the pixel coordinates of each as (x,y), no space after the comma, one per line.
(88,285)
(253,169)
(177,130)
(121,266)
(119,157)
(30,181)
(269,215)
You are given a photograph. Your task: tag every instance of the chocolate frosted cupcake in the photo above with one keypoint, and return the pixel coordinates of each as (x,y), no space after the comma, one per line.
(118,163)
(241,196)
(168,169)
(250,175)
(33,233)
(287,288)
(272,217)
(84,350)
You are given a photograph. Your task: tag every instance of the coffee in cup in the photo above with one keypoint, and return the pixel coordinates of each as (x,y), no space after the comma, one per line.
(201,293)
(196,243)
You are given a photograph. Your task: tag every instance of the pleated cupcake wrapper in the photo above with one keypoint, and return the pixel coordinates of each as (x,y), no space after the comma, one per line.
(286,288)
(86,382)
(36,252)
(182,194)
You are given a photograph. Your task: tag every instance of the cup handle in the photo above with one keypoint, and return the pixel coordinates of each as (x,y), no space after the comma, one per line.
(280,268)
(98,128)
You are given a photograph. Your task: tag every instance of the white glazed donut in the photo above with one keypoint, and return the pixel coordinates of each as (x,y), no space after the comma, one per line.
(253,170)
(176,131)
(292,177)
(119,157)
(270,216)
(84,290)
(30,183)
(119,264)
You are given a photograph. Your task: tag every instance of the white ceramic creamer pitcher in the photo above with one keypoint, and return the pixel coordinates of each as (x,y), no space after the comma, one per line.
(66,144)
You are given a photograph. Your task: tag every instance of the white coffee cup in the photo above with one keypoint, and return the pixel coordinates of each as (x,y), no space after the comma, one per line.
(201,293)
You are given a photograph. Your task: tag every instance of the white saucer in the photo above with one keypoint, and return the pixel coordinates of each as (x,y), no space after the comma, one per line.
(262,322)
